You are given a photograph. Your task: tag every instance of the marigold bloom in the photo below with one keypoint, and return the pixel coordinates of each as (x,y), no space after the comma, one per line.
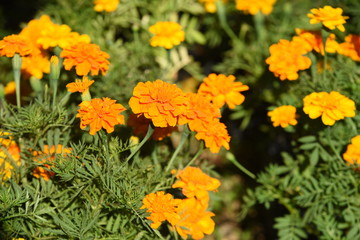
(254,6)
(162,207)
(195,220)
(159,101)
(330,17)
(286,58)
(10,88)
(167,34)
(223,89)
(314,39)
(9,155)
(46,158)
(12,44)
(35,29)
(106,5)
(283,116)
(140,125)
(80,85)
(330,106)
(195,183)
(86,58)
(210,5)
(352,154)
(215,136)
(36,65)
(351,47)
(100,113)
(200,112)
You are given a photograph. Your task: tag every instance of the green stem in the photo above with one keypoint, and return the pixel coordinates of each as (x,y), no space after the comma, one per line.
(331,144)
(184,137)
(147,136)
(201,149)
(324,35)
(223,22)
(259,26)
(16,62)
(232,159)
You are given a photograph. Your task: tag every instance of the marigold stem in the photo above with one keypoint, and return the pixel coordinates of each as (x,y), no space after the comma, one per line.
(232,159)
(147,136)
(16,62)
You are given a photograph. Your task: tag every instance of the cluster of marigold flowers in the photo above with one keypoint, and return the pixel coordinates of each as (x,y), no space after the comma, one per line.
(187,216)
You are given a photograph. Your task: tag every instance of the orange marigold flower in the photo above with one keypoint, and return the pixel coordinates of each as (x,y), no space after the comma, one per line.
(351,47)
(167,34)
(330,106)
(254,6)
(159,101)
(283,116)
(162,207)
(215,136)
(140,125)
(200,111)
(9,155)
(286,58)
(210,5)
(46,158)
(35,29)
(100,113)
(352,154)
(195,183)
(10,88)
(10,45)
(86,58)
(330,17)
(195,220)
(80,85)
(223,89)
(36,65)
(106,5)
(314,39)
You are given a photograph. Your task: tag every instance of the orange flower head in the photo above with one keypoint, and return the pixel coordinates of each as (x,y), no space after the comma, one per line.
(215,136)
(210,5)
(106,5)
(195,183)
(352,154)
(167,34)
(80,85)
(283,116)
(195,220)
(36,65)
(286,58)
(159,101)
(35,29)
(254,6)
(10,88)
(200,111)
(12,44)
(351,47)
(140,125)
(46,158)
(9,155)
(221,89)
(314,39)
(330,106)
(87,58)
(162,207)
(330,17)
(100,113)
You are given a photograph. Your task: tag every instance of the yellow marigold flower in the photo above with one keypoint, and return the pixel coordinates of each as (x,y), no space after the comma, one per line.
(86,58)
(223,89)
(195,183)
(140,125)
(46,158)
(286,58)
(330,106)
(162,207)
(195,220)
(36,65)
(10,88)
(200,112)
(210,5)
(352,154)
(100,113)
(330,17)
(167,34)
(80,85)
(254,6)
(351,47)
(9,155)
(314,39)
(283,116)
(34,29)
(215,136)
(10,45)
(159,101)
(106,5)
